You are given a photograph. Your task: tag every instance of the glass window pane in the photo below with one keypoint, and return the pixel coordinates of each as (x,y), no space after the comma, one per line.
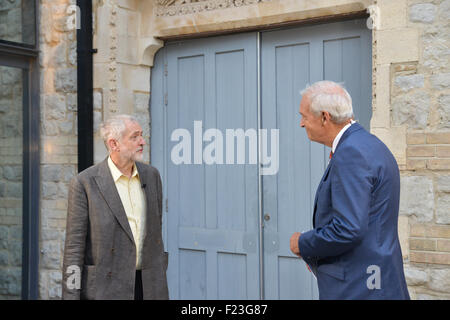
(17,21)
(11,155)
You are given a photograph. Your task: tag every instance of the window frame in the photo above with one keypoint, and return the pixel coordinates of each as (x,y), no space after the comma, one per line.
(25,57)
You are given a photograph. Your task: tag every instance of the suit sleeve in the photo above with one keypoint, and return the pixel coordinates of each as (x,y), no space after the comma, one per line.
(76,231)
(351,185)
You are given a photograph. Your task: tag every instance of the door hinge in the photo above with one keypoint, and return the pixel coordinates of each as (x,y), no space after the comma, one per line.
(165,70)
(166,99)
(167,205)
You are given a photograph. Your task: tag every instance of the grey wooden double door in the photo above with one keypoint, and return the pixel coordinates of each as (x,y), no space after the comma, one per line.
(226,224)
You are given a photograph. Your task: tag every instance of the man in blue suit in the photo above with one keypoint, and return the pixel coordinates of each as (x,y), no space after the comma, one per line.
(353,249)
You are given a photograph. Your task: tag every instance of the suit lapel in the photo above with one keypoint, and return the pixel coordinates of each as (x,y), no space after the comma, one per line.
(109,192)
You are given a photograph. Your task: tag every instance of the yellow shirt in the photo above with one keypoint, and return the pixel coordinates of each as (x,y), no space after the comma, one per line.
(133,201)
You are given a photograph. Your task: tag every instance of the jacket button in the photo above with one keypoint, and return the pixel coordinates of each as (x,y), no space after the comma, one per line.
(112,250)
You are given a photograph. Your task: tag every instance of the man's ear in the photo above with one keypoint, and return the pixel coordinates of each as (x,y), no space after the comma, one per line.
(113,145)
(326,117)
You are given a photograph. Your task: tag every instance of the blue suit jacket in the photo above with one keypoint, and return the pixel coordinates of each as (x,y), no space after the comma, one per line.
(354,248)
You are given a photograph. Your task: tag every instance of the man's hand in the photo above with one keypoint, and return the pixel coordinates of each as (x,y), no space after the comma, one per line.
(294,244)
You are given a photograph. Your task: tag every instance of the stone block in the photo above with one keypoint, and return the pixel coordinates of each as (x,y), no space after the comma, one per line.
(66,127)
(4,260)
(444,11)
(2,189)
(97,120)
(417,197)
(442,137)
(98,100)
(439,280)
(411,109)
(49,190)
(421,151)
(14,190)
(54,106)
(443,151)
(51,255)
(12,173)
(444,111)
(403,235)
(443,245)
(416,164)
(397,45)
(417,230)
(415,138)
(55,288)
(423,244)
(423,12)
(438,164)
(68,172)
(72,103)
(54,55)
(443,209)
(415,276)
(435,51)
(443,183)
(51,172)
(15,253)
(66,80)
(14,281)
(406,83)
(393,14)
(72,53)
(430,257)
(437,231)
(141,102)
(440,81)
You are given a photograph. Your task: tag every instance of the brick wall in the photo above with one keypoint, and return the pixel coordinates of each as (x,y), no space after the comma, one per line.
(420,103)
(428,150)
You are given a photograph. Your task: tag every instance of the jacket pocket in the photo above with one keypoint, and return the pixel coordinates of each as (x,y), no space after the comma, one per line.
(333,270)
(88,285)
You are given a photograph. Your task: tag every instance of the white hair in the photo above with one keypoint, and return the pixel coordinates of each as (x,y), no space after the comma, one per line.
(115,127)
(331,97)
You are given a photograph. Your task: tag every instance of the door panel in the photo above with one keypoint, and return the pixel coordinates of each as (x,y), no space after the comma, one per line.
(292,59)
(212,218)
(211,224)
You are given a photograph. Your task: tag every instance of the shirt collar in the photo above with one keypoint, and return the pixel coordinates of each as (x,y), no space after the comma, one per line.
(339,136)
(116,173)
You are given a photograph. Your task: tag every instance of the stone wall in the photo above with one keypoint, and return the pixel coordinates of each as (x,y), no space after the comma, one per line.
(121,82)
(410,104)
(420,102)
(58,103)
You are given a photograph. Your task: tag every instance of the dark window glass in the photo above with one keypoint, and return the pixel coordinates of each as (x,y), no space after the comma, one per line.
(18,21)
(11,182)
